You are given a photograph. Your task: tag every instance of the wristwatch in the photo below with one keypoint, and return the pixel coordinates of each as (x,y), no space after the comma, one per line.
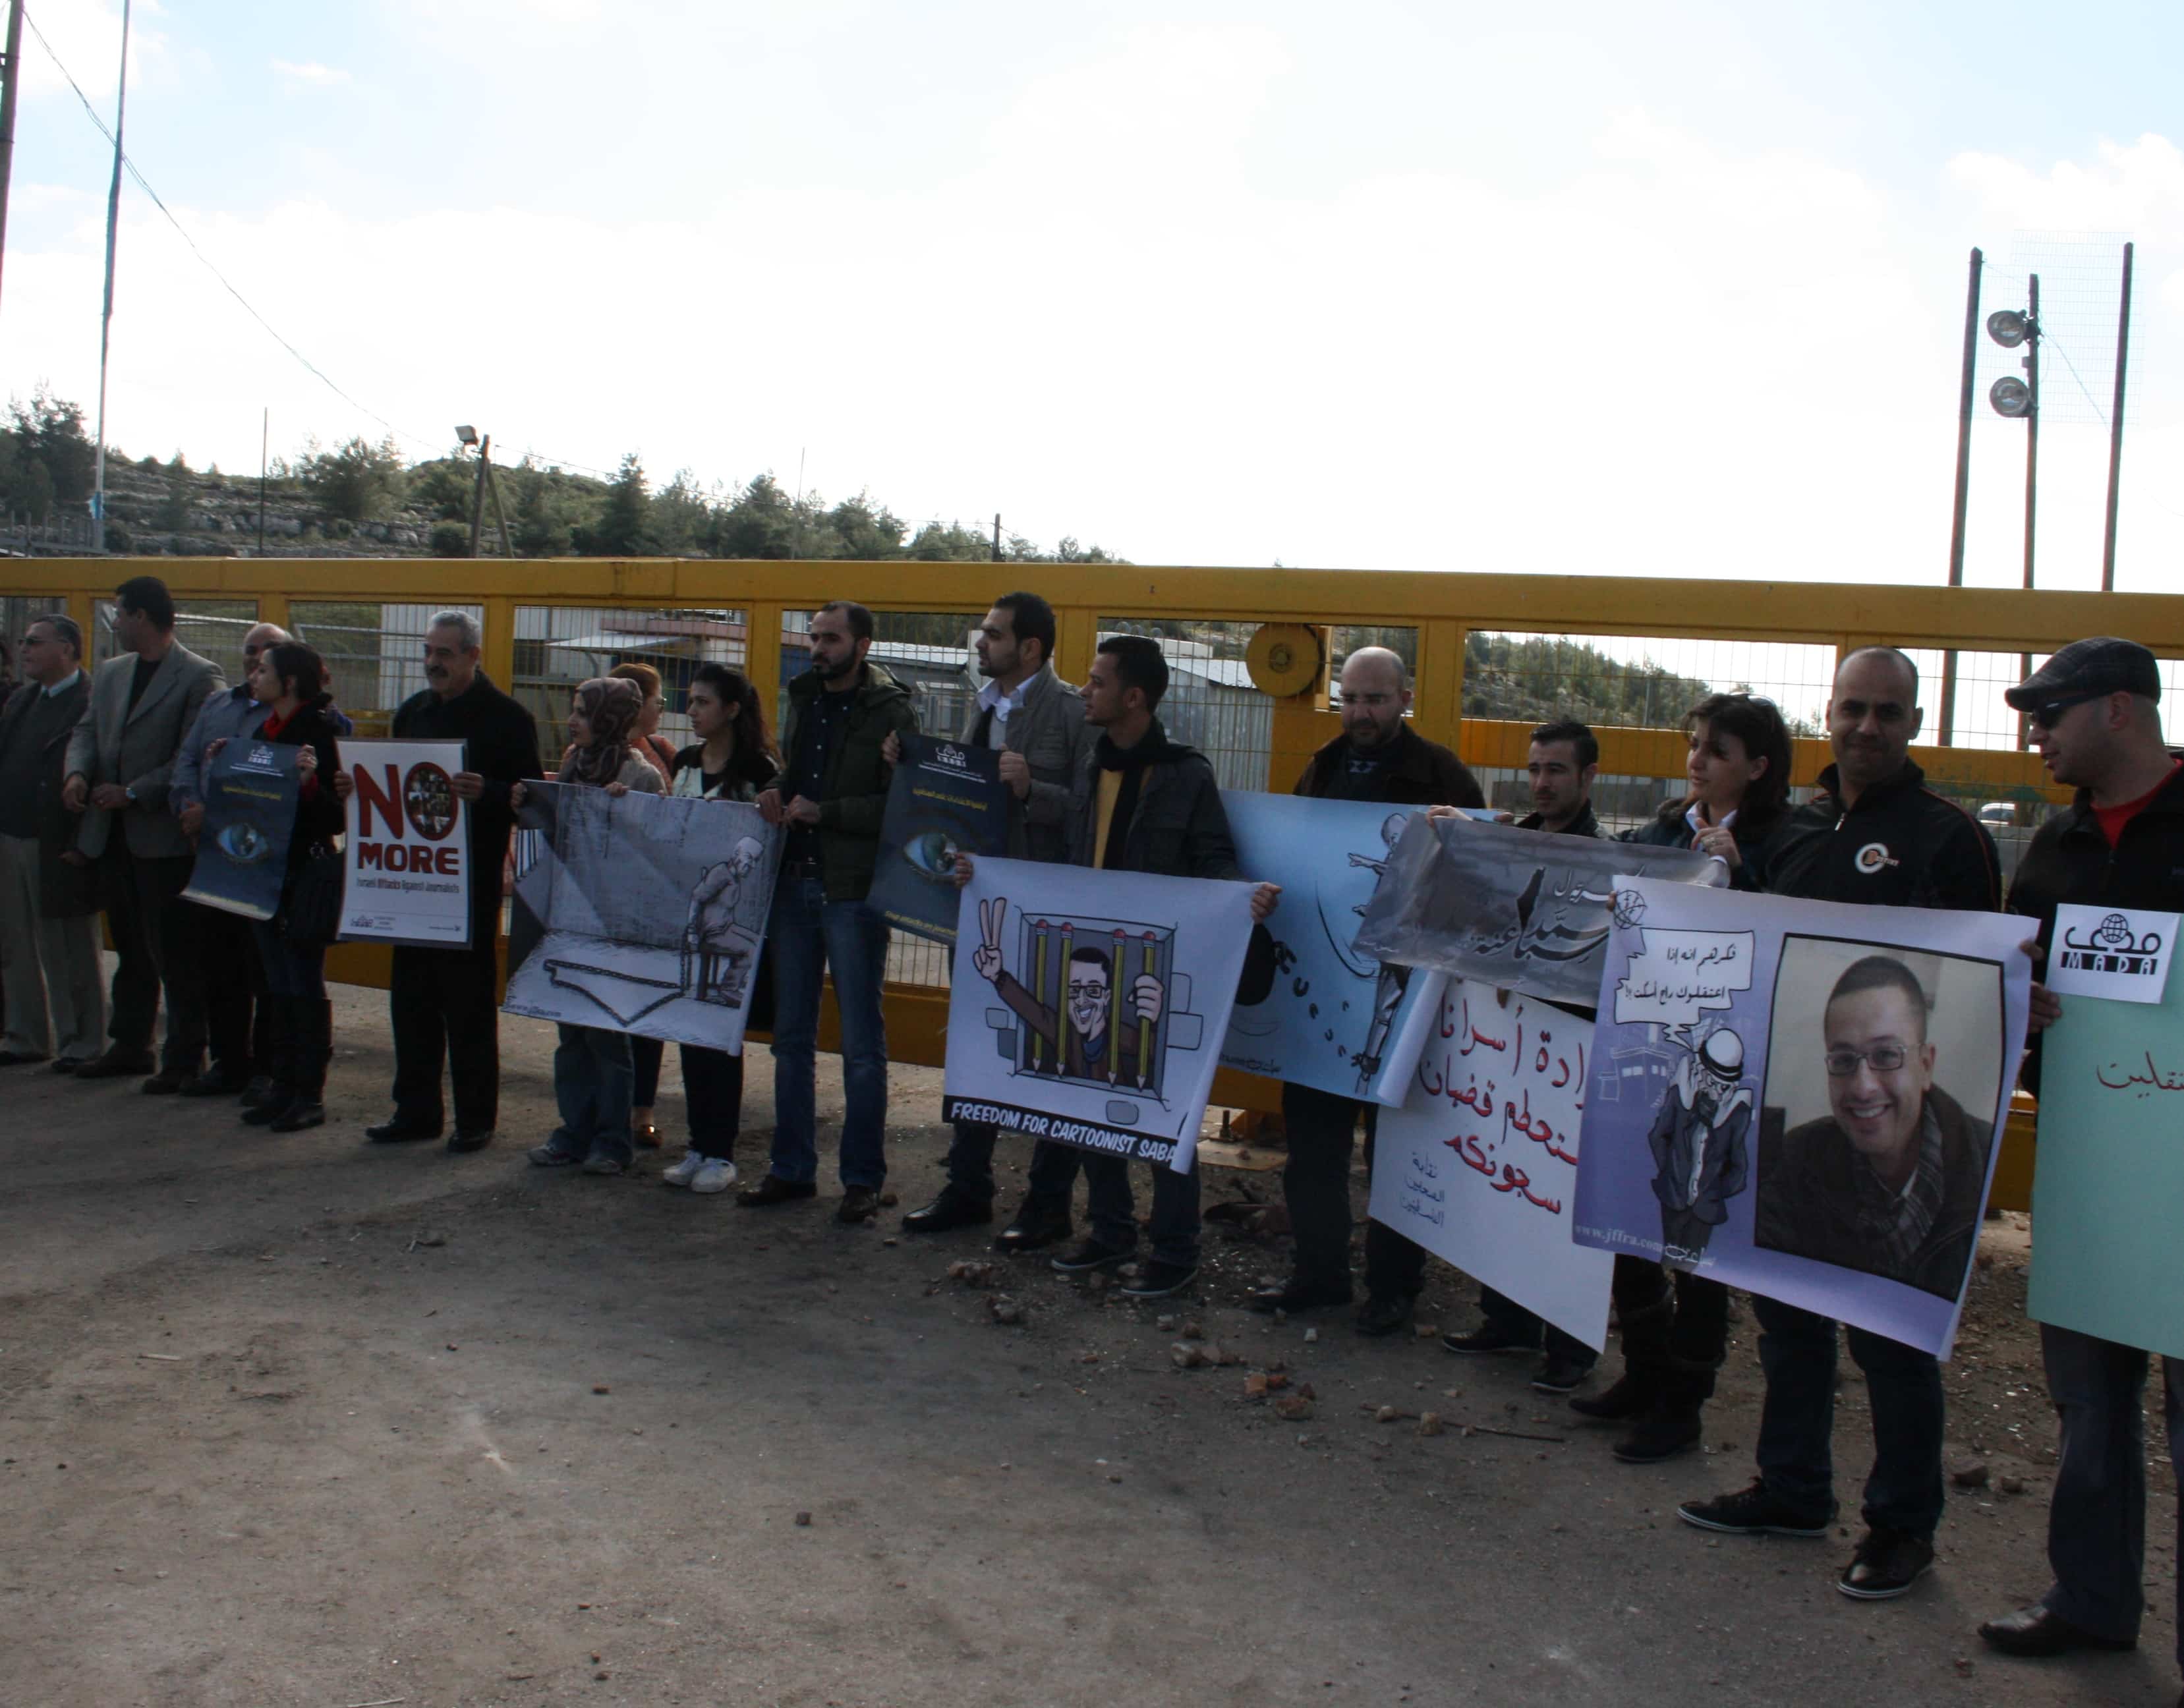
(130,795)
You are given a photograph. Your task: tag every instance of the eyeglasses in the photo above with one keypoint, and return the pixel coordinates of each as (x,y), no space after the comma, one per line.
(2047,716)
(1883,1058)
(1080,991)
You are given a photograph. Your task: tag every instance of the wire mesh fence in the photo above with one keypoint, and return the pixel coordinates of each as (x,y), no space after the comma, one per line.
(374,654)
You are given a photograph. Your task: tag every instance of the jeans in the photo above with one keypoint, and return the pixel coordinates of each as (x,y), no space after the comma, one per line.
(592,1080)
(713,1089)
(809,935)
(1315,1186)
(1114,1212)
(155,940)
(444,1004)
(1503,1313)
(2097,1517)
(1903,1386)
(1053,1174)
(294,971)
(1675,1330)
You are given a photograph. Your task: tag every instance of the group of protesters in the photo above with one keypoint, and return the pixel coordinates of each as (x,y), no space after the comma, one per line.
(102,783)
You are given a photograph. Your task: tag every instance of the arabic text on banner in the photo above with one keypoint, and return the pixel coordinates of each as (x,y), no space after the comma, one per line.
(1479,1165)
(250,794)
(1802,1098)
(1516,909)
(640,913)
(1090,1005)
(1335,1018)
(406,858)
(2106,1258)
(946,799)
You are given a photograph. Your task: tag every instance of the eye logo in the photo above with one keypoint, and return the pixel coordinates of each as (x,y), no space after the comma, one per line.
(428,796)
(1873,857)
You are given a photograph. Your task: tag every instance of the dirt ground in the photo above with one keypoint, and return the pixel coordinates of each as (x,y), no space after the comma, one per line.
(298,1422)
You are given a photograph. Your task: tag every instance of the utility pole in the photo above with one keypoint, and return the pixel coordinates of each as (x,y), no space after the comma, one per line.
(2031,469)
(997,536)
(500,515)
(1963,487)
(106,314)
(477,500)
(2115,413)
(7,112)
(264,440)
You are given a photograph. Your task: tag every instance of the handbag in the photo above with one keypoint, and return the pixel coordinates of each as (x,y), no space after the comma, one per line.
(313,913)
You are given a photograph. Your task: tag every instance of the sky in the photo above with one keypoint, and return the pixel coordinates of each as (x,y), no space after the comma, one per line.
(1676,290)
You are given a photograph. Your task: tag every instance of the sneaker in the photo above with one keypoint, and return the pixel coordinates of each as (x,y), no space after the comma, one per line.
(1489,1338)
(685,1170)
(550,1155)
(1562,1373)
(715,1174)
(1754,1511)
(1156,1280)
(605,1163)
(1087,1256)
(1886,1564)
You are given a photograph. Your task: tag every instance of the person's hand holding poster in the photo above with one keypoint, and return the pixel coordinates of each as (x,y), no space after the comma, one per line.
(1090,1007)
(1802,1098)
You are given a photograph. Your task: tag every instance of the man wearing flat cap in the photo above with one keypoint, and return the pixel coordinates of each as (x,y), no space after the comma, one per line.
(2093,711)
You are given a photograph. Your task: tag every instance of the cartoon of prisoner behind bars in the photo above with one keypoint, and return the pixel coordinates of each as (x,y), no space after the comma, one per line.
(1109,988)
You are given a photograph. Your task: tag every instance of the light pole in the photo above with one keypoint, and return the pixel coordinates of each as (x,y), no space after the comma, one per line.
(469,436)
(2019,400)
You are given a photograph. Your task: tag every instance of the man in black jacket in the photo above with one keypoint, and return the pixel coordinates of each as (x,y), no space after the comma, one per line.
(1378,757)
(2095,717)
(445,1003)
(1141,803)
(1873,835)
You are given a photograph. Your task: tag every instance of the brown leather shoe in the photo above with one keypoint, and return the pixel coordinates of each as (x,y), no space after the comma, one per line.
(118,1063)
(773,1189)
(860,1203)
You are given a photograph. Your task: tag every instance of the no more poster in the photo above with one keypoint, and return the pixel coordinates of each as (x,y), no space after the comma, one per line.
(406,858)
(1089,1006)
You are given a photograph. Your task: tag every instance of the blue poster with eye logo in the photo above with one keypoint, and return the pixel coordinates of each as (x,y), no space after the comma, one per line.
(242,847)
(946,799)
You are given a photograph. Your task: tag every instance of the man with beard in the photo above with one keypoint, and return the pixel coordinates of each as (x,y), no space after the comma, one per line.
(444,1003)
(1035,722)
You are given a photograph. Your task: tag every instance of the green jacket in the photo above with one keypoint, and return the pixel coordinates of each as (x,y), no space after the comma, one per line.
(854,790)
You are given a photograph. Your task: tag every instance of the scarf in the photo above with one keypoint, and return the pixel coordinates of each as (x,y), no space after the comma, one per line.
(1898,1223)
(610,705)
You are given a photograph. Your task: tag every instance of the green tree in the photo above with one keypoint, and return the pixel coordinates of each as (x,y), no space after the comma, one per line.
(173,513)
(549,507)
(761,522)
(54,458)
(623,527)
(356,481)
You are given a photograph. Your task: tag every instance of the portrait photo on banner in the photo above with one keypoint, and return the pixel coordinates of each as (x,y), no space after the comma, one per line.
(1802,1098)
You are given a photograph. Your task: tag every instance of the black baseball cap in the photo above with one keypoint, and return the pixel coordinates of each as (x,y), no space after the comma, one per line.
(2101,665)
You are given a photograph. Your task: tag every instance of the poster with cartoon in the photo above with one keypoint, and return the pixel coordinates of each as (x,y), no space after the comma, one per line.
(406,867)
(640,913)
(2107,1260)
(946,799)
(1479,1164)
(1332,1018)
(1519,909)
(1090,1005)
(1802,1098)
(250,795)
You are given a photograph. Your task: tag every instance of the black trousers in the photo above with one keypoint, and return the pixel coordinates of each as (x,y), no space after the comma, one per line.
(234,970)
(444,1004)
(1504,1313)
(155,939)
(1675,1330)
(1322,1126)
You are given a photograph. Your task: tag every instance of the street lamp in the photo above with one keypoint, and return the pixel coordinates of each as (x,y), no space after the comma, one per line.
(468,436)
(2018,400)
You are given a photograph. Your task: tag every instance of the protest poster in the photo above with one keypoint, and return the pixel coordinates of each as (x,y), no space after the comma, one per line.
(1333,1018)
(2110,1170)
(2121,954)
(1479,1165)
(1519,909)
(946,799)
(1091,1006)
(640,913)
(250,793)
(1802,1098)
(406,865)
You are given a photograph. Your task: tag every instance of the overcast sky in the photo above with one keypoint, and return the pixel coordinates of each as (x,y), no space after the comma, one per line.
(1674,289)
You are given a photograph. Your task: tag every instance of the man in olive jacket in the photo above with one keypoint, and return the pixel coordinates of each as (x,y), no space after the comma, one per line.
(831,799)
(48,891)
(119,759)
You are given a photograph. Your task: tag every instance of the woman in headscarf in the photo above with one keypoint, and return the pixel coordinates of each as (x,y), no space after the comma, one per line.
(592,1073)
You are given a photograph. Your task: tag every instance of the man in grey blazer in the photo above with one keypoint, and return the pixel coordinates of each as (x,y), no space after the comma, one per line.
(119,760)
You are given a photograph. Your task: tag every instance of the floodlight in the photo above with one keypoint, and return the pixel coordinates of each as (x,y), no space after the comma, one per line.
(2008,328)
(2010,397)
(467,435)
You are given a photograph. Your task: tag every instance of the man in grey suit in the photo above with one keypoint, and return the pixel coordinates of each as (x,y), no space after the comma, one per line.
(119,760)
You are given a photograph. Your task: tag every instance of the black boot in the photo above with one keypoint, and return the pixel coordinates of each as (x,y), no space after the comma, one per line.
(279,1064)
(313,1022)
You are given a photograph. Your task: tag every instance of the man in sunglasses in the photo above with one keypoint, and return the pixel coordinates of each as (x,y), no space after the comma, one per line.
(1874,834)
(1891,1179)
(2095,713)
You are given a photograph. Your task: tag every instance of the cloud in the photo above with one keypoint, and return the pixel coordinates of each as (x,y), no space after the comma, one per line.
(309,71)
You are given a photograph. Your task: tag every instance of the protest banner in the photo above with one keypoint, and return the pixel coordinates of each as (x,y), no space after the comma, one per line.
(1479,1165)
(250,793)
(1519,909)
(406,858)
(2110,1171)
(1333,1018)
(1091,1006)
(945,800)
(640,913)
(1802,1098)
